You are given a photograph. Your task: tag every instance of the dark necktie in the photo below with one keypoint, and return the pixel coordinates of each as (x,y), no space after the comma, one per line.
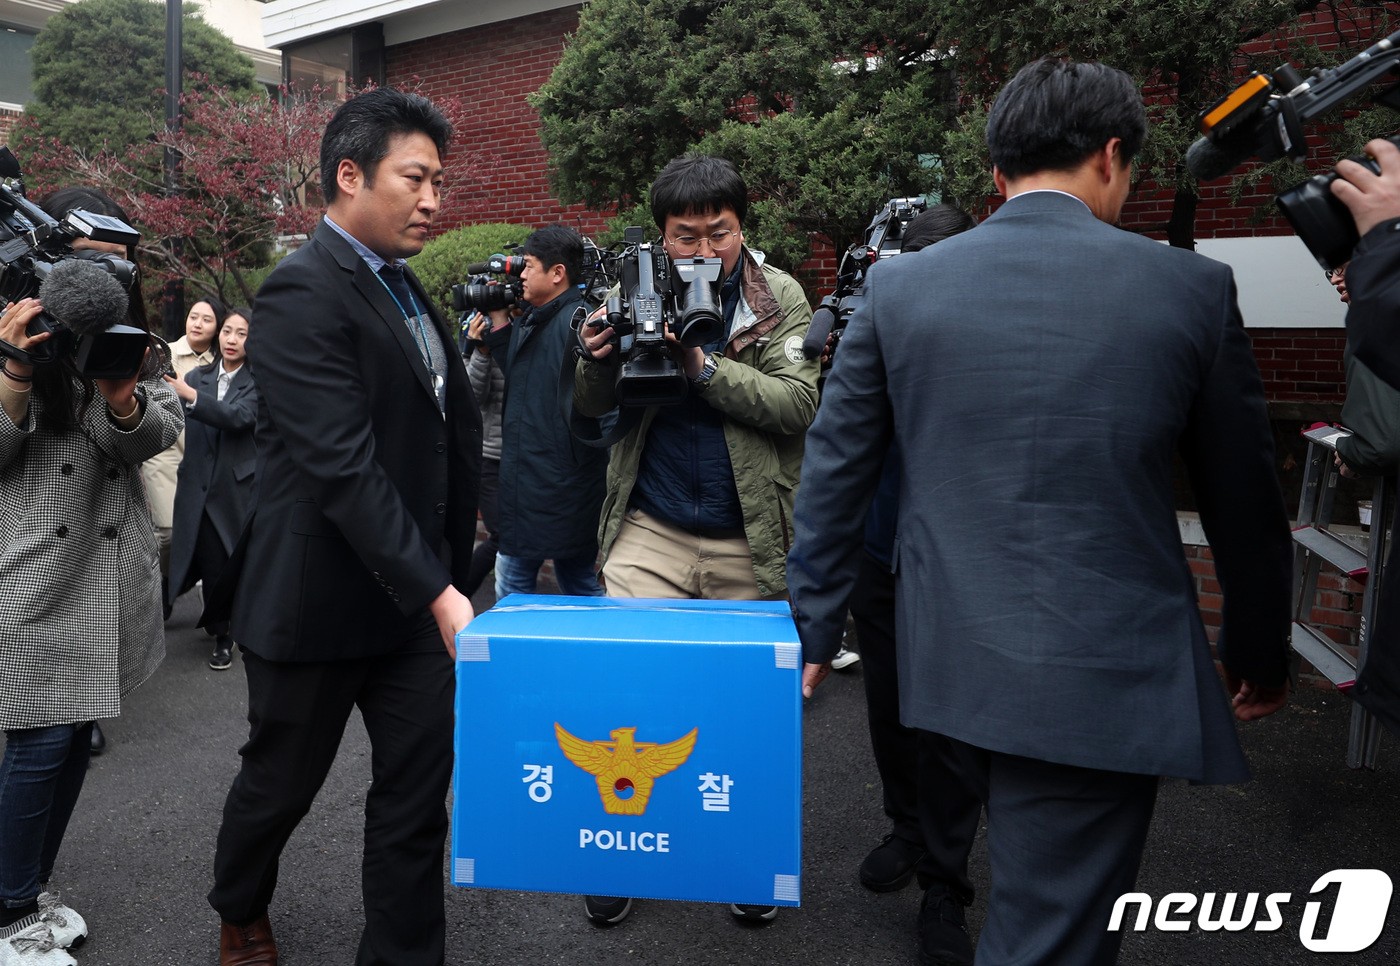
(394,278)
(429,346)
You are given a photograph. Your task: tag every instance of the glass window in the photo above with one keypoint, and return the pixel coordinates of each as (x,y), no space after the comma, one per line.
(15,74)
(325,61)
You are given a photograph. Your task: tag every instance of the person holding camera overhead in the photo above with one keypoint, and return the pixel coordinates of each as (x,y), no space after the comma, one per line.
(551,485)
(80,614)
(700,492)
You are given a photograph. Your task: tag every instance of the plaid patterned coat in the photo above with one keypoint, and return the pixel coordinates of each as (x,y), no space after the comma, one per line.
(80,610)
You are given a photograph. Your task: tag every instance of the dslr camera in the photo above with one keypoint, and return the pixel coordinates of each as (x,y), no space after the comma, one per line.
(883,239)
(1263,118)
(657,295)
(84,292)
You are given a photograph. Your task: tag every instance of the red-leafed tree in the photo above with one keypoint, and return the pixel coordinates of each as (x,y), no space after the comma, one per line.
(249,183)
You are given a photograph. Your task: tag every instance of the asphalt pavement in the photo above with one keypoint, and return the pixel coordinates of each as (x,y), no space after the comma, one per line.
(138,856)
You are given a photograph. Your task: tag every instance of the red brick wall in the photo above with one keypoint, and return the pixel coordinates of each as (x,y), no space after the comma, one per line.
(492,69)
(8,119)
(1301,365)
(1337,614)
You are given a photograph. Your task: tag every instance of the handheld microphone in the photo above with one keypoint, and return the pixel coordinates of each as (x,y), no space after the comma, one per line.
(823,320)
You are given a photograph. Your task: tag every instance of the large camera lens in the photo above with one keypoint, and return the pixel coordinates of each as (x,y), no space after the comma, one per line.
(701,319)
(1323,223)
(483,296)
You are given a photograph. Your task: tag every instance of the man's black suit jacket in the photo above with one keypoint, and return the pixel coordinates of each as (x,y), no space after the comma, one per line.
(367,494)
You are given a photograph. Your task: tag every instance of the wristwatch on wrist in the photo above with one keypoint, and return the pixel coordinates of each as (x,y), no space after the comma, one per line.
(706,371)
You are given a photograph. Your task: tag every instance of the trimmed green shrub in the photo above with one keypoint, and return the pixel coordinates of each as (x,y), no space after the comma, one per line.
(443,261)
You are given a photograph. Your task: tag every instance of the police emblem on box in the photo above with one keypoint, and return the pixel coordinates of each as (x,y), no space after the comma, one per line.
(628,747)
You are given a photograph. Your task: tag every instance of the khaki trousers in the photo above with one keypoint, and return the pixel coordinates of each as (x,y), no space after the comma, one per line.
(654,558)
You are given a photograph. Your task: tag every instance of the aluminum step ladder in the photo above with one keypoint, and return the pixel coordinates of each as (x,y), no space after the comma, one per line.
(1316,546)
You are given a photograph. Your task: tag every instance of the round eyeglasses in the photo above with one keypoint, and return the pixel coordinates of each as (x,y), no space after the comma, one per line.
(688,245)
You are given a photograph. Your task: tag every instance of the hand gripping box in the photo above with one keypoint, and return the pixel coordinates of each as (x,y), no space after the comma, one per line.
(644,748)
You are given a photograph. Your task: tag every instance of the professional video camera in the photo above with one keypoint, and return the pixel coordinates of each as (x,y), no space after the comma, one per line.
(1263,118)
(658,295)
(483,293)
(883,239)
(84,293)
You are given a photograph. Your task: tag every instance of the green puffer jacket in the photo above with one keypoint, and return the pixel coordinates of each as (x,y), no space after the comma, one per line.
(767,391)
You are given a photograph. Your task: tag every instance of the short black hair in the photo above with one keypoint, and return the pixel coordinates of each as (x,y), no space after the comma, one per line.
(242,310)
(75,197)
(220,310)
(698,184)
(934,225)
(79,197)
(363,126)
(1056,112)
(557,245)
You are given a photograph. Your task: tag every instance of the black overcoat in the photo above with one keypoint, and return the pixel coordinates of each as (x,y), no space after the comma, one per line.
(551,483)
(216,474)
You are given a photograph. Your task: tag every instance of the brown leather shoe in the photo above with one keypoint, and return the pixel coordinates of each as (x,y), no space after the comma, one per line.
(250,945)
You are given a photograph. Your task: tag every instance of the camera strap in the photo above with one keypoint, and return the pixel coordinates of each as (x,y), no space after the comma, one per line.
(16,353)
(600,432)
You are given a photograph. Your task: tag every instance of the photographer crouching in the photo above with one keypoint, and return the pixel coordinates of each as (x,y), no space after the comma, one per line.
(80,611)
(1373,318)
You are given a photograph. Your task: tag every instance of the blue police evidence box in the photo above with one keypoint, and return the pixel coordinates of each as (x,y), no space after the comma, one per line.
(644,748)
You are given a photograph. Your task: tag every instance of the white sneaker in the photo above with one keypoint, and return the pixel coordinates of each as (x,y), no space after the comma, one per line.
(844,658)
(68,928)
(30,943)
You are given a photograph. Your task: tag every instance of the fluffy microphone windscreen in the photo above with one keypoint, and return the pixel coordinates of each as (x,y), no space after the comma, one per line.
(83,296)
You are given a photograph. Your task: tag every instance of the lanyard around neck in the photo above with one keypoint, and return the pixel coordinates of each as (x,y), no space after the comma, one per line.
(416,318)
(424,351)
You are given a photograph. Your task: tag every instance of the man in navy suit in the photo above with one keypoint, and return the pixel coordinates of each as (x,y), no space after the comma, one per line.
(369,453)
(1038,374)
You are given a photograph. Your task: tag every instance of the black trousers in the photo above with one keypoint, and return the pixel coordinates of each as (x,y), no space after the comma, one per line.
(210,559)
(927,798)
(488,500)
(297,714)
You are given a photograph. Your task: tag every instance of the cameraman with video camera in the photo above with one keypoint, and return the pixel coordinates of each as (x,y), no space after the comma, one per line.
(80,609)
(551,485)
(700,492)
(1373,334)
(1373,275)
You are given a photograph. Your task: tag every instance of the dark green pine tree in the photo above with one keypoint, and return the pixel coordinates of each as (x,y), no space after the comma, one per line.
(99,70)
(829,108)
